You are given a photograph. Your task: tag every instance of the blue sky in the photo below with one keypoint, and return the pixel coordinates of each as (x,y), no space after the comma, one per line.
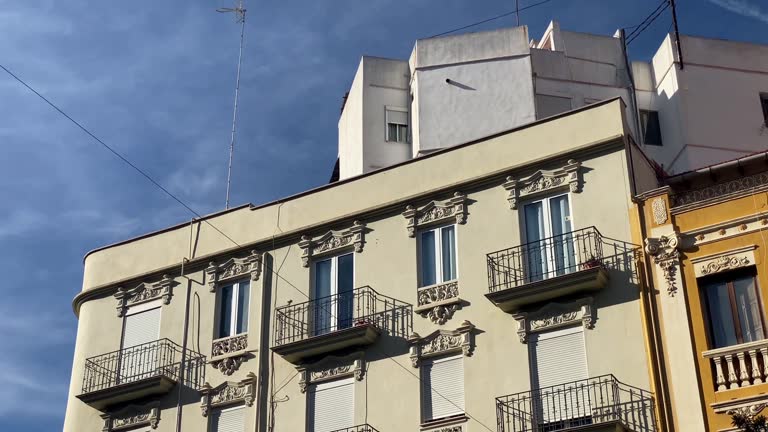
(155,80)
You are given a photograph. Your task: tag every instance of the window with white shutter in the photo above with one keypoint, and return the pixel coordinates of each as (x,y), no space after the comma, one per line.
(559,360)
(331,406)
(442,388)
(138,357)
(228,420)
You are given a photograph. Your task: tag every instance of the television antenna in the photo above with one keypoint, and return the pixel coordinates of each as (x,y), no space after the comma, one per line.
(239,12)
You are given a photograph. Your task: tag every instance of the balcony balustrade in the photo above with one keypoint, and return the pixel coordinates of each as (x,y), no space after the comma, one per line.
(601,403)
(327,324)
(359,428)
(740,365)
(132,373)
(543,270)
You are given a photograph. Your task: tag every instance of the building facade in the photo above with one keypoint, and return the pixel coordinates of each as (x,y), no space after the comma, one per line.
(492,285)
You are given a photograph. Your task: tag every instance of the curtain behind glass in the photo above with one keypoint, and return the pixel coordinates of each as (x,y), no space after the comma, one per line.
(748,307)
(535,250)
(561,227)
(225,311)
(322,300)
(720,316)
(428,265)
(243,295)
(448,253)
(345,287)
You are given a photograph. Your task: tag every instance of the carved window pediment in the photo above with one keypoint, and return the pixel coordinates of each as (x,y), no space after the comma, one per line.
(228,393)
(143,293)
(555,315)
(331,368)
(453,209)
(441,342)
(131,417)
(333,241)
(233,269)
(725,261)
(543,181)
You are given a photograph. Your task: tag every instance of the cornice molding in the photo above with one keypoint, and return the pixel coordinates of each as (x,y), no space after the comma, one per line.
(131,417)
(454,208)
(555,315)
(233,269)
(542,181)
(719,193)
(228,393)
(438,302)
(665,251)
(441,342)
(727,229)
(143,293)
(333,241)
(331,368)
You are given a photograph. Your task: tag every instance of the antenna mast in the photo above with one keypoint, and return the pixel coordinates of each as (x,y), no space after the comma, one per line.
(239,12)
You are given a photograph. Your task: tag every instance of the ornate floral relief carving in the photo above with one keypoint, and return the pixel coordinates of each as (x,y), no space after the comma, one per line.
(333,241)
(131,417)
(659,207)
(320,371)
(438,302)
(721,191)
(442,342)
(229,365)
(543,181)
(143,293)
(555,315)
(228,393)
(234,268)
(724,263)
(229,345)
(436,211)
(666,254)
(747,411)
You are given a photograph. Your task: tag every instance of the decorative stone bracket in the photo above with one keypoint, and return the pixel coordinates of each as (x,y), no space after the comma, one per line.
(228,393)
(332,241)
(568,176)
(227,354)
(438,302)
(131,417)
(665,251)
(234,268)
(332,368)
(144,292)
(555,315)
(435,212)
(442,342)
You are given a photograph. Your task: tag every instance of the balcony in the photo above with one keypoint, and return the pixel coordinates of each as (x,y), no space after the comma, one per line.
(596,404)
(360,428)
(143,370)
(328,324)
(739,366)
(543,270)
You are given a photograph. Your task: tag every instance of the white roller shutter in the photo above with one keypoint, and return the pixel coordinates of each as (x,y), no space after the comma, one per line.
(397,116)
(139,362)
(559,359)
(442,388)
(332,405)
(141,328)
(228,420)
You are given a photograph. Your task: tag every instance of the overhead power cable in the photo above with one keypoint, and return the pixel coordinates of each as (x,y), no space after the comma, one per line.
(647,22)
(661,4)
(490,19)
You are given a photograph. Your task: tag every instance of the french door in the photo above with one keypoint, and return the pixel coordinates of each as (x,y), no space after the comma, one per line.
(333,296)
(549,249)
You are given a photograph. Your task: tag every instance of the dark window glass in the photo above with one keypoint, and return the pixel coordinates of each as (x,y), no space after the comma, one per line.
(649,121)
(733,306)
(225,312)
(764,103)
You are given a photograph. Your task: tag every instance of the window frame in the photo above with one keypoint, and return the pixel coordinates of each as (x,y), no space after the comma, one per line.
(334,284)
(728,278)
(388,121)
(232,332)
(431,361)
(764,106)
(438,230)
(222,409)
(311,405)
(644,117)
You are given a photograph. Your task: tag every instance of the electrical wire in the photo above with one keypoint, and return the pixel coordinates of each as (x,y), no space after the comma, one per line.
(490,19)
(661,4)
(635,34)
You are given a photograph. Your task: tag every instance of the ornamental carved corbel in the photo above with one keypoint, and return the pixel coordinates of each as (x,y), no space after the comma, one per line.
(442,342)
(332,241)
(131,417)
(228,393)
(555,315)
(666,254)
(453,209)
(566,177)
(234,268)
(438,302)
(331,368)
(144,292)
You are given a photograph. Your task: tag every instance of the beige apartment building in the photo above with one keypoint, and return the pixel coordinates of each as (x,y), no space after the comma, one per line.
(492,285)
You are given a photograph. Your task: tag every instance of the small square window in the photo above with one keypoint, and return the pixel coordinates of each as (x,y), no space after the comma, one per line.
(649,122)
(397,125)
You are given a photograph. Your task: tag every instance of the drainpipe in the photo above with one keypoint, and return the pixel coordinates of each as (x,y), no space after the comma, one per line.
(185,337)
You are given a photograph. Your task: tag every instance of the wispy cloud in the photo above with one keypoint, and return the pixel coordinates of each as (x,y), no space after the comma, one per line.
(743,8)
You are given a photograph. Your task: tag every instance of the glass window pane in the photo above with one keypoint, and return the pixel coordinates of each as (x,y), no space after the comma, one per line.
(391,132)
(243,297)
(428,259)
(562,242)
(720,316)
(748,308)
(535,250)
(449,253)
(322,300)
(345,284)
(225,311)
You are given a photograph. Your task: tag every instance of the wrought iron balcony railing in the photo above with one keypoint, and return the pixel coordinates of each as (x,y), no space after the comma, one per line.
(361,306)
(161,358)
(359,428)
(580,403)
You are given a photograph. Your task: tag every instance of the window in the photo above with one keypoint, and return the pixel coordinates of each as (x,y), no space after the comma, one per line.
(228,420)
(397,125)
(649,122)
(333,294)
(549,244)
(437,255)
(442,388)
(141,326)
(331,406)
(233,309)
(764,103)
(733,307)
